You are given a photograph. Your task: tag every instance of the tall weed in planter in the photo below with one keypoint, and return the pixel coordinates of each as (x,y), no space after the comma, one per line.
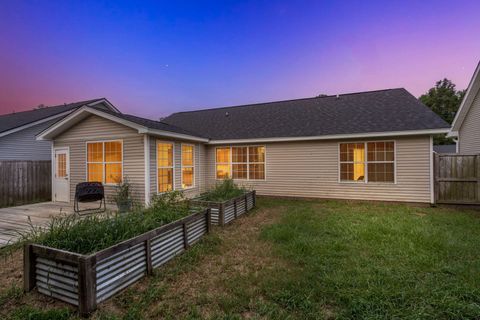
(92,233)
(225,190)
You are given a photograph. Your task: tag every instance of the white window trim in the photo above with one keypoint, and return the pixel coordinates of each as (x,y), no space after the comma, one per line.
(192,166)
(230,163)
(103,162)
(157,167)
(365,181)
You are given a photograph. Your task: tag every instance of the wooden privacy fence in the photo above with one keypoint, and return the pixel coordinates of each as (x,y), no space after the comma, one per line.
(23,182)
(86,280)
(229,210)
(457,178)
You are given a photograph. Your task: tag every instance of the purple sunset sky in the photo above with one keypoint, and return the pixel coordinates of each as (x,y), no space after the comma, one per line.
(154,58)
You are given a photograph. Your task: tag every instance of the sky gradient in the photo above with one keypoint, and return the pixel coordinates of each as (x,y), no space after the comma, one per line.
(155,58)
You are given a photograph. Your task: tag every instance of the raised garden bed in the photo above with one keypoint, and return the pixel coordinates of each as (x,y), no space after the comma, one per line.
(86,280)
(223,212)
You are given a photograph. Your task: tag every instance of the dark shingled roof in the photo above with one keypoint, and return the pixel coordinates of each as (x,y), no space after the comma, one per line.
(18,119)
(364,112)
(445,148)
(151,124)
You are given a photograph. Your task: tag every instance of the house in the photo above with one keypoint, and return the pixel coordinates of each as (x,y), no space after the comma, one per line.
(18,130)
(466,125)
(373,145)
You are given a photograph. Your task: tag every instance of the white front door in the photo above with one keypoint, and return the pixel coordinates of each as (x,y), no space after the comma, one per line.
(61,179)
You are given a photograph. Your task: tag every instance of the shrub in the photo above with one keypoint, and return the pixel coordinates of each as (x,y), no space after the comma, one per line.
(92,233)
(223,191)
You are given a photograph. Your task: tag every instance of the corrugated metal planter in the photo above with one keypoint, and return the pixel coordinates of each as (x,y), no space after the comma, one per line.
(86,280)
(229,210)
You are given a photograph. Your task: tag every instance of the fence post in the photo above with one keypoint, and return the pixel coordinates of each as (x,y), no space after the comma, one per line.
(148,256)
(235,208)
(87,277)
(436,176)
(209,220)
(477,175)
(185,236)
(28,268)
(221,214)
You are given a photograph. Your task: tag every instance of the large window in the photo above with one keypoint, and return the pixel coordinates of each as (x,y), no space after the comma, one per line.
(241,163)
(165,166)
(367,162)
(105,162)
(188,166)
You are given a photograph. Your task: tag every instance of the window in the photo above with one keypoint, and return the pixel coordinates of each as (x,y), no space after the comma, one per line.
(188,164)
(105,161)
(241,163)
(61,165)
(381,161)
(222,157)
(165,166)
(367,162)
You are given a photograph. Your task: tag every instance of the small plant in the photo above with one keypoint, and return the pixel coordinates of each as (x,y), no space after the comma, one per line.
(122,197)
(223,191)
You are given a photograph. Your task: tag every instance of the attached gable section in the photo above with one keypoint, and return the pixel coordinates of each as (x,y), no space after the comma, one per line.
(469,133)
(96,127)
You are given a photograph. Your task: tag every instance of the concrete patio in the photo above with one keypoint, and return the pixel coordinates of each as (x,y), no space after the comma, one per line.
(15,220)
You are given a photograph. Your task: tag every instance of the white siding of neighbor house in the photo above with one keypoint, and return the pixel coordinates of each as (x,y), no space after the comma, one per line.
(199,169)
(311,169)
(21,145)
(469,133)
(95,128)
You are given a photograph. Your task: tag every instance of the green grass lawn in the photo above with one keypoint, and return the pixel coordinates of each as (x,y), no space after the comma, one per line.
(293,259)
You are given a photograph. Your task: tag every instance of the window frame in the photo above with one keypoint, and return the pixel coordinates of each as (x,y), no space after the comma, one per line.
(366,162)
(103,159)
(182,166)
(157,142)
(230,162)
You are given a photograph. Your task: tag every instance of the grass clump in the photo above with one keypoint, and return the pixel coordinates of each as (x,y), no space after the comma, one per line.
(86,235)
(223,191)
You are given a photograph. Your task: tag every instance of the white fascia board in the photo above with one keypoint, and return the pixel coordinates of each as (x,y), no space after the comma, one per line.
(105,101)
(31,124)
(472,89)
(336,136)
(169,134)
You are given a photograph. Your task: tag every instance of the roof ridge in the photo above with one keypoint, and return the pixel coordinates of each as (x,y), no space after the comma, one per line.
(83,102)
(287,100)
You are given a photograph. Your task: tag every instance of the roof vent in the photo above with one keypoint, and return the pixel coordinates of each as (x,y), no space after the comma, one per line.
(226,114)
(338,96)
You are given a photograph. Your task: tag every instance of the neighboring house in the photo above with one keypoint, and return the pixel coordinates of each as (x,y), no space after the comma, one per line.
(466,125)
(445,148)
(370,145)
(18,130)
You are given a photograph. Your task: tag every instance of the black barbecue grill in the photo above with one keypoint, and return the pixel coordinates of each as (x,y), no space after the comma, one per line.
(89,192)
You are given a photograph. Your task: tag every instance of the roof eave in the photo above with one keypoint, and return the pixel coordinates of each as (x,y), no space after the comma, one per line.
(335,136)
(473,87)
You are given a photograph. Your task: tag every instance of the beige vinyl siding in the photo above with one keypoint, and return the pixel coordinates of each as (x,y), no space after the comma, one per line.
(310,169)
(199,170)
(469,133)
(95,128)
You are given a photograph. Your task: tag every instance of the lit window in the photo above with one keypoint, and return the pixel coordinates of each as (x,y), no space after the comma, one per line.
(222,157)
(378,166)
(188,166)
(165,167)
(105,162)
(245,163)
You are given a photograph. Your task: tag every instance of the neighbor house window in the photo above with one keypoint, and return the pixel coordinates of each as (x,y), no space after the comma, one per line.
(165,166)
(241,163)
(105,162)
(367,162)
(188,166)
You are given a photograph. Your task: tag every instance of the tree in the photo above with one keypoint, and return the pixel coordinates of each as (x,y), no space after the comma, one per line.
(444,100)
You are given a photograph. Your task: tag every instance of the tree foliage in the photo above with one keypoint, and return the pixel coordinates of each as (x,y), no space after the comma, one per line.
(444,99)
